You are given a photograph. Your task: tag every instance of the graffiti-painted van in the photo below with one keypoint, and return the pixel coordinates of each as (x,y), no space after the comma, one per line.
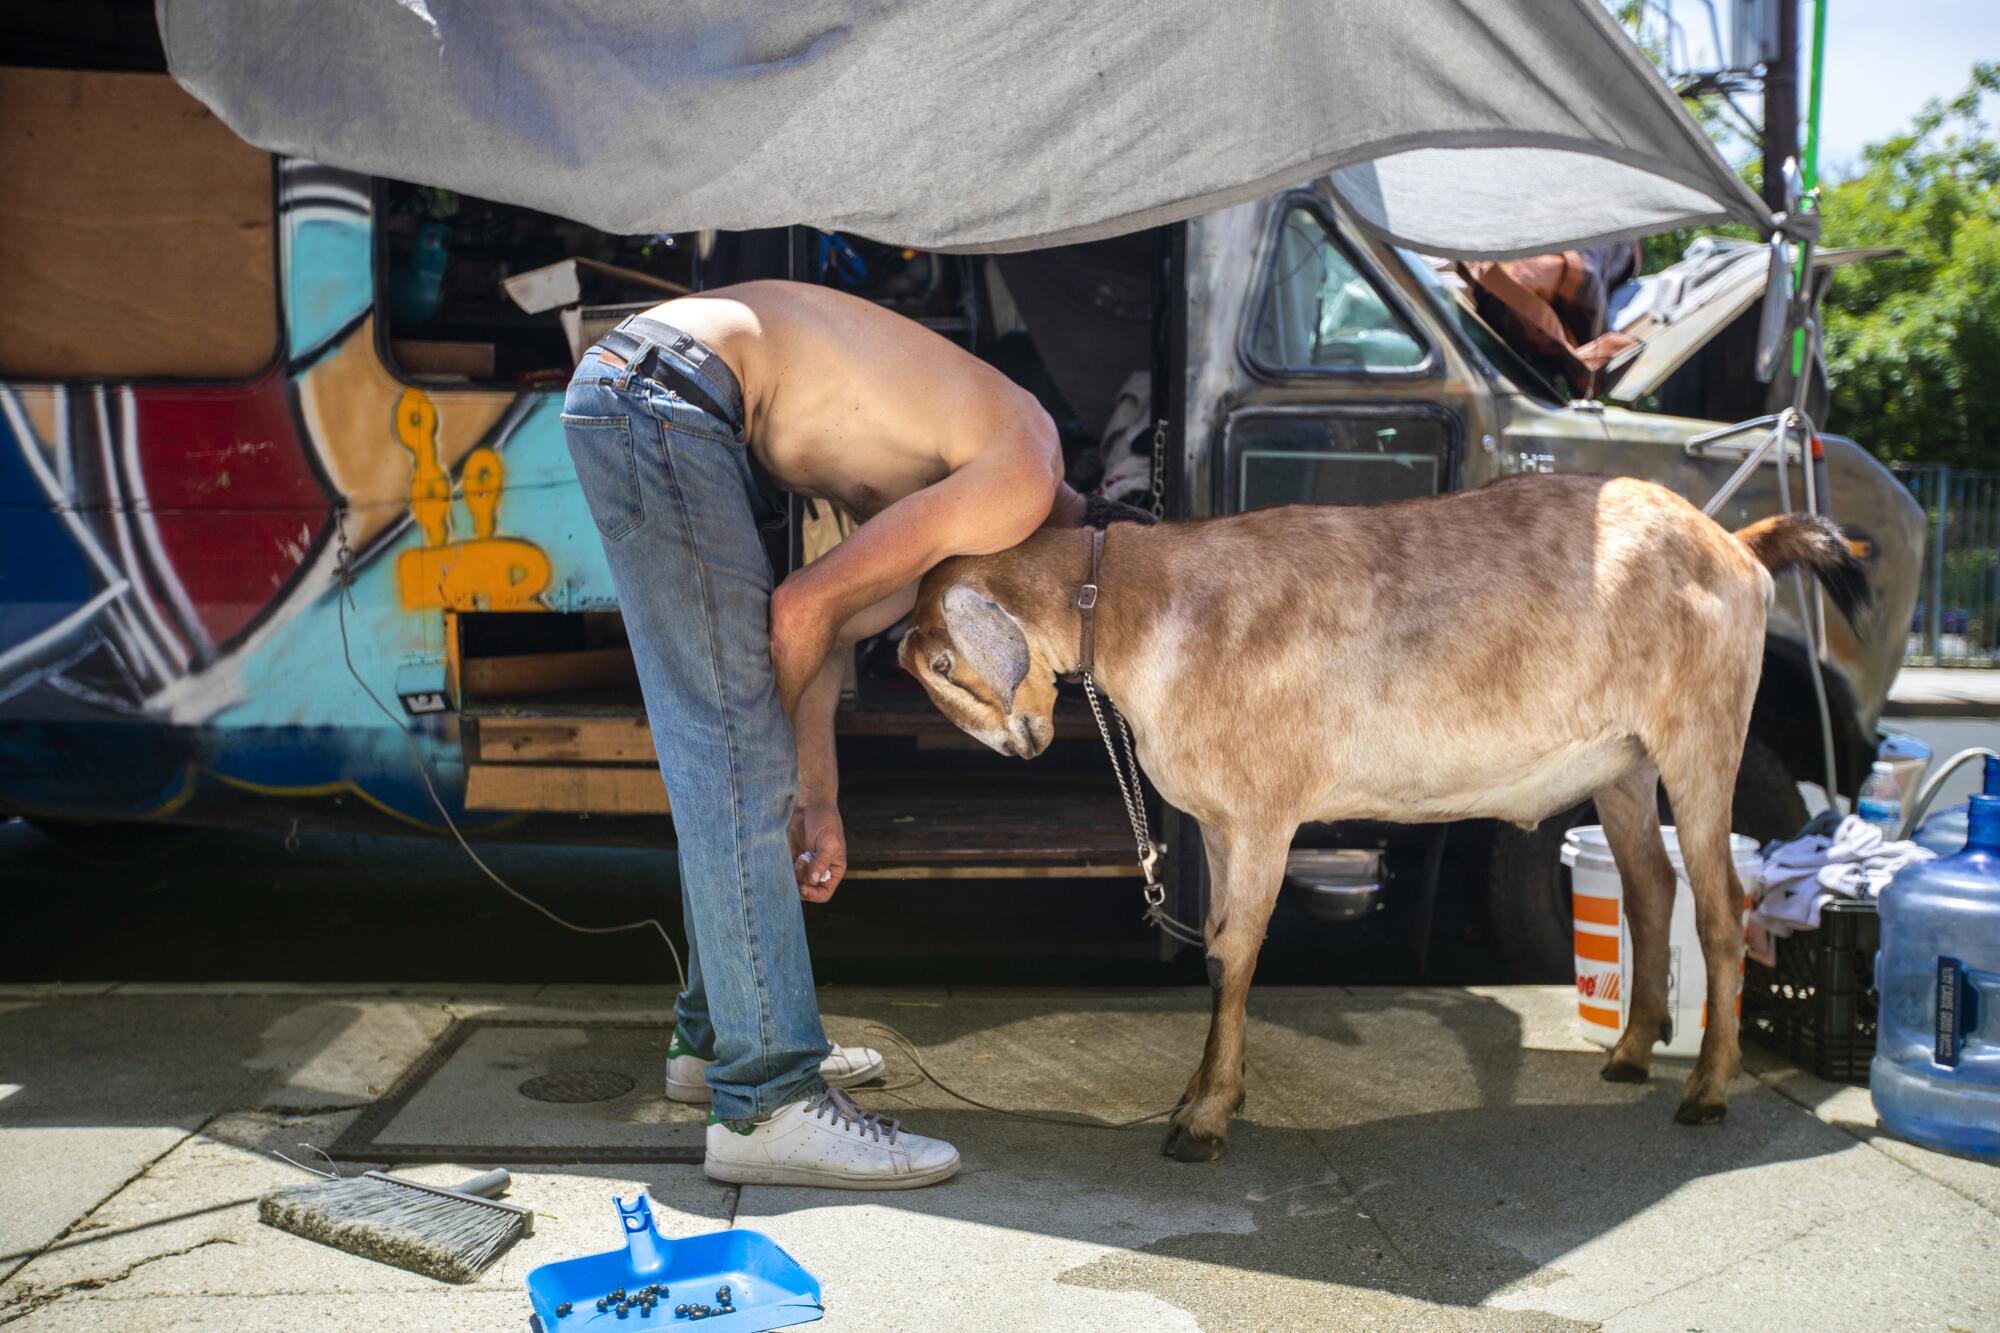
(201,440)
(288,529)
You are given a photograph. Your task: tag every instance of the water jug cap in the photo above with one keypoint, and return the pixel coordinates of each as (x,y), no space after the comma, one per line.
(1884,766)
(1982,818)
(1902,745)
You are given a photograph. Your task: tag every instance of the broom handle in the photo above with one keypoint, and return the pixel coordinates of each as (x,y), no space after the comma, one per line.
(487,1184)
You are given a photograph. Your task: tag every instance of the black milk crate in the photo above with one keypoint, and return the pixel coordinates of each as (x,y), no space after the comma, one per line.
(1817,1006)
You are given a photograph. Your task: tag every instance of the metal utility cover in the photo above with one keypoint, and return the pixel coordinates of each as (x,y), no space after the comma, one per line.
(473,1098)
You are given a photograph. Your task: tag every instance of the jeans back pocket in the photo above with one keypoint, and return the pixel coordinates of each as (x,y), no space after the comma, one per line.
(601,450)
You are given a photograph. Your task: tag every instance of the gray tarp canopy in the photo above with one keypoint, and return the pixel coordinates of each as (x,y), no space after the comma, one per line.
(1479,129)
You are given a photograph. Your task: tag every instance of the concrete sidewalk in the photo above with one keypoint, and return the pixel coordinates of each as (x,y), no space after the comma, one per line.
(1407,1157)
(1945,692)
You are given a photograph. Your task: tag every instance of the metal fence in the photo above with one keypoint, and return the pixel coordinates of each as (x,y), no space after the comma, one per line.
(1957,620)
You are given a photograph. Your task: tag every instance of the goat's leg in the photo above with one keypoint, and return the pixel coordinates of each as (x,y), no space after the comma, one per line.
(1701,815)
(1245,871)
(1629,809)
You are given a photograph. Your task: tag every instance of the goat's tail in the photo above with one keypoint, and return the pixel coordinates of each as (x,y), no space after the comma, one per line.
(1816,543)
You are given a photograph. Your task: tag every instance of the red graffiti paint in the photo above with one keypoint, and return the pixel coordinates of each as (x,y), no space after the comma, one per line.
(236,502)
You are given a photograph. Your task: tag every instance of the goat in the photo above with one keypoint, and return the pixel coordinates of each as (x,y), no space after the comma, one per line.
(1502,652)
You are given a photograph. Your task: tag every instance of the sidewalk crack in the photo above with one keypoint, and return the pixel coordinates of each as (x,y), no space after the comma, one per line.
(33,1298)
(1868,1140)
(1735,1262)
(1375,1221)
(144,1168)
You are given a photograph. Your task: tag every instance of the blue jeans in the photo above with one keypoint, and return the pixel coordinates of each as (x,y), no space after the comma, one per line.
(669,485)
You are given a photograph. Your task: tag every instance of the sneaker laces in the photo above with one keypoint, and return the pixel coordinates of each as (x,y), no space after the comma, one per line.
(850,1118)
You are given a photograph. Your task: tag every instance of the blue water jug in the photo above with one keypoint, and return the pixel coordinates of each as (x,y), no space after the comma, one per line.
(1944,832)
(1936,1075)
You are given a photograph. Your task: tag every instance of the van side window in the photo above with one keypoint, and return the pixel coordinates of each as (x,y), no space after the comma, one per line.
(139,236)
(1321,314)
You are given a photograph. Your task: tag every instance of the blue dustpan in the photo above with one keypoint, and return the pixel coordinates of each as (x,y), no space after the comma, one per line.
(768,1288)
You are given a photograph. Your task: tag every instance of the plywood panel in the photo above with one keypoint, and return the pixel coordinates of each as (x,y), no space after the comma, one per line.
(548,673)
(997,872)
(136,232)
(586,790)
(590,740)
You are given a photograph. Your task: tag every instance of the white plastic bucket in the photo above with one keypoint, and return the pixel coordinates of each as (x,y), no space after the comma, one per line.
(1604,940)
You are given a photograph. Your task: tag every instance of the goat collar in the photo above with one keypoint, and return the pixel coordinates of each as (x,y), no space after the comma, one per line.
(1086,605)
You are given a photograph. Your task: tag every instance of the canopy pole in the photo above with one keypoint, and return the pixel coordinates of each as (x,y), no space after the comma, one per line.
(1812,600)
(1809,169)
(1805,340)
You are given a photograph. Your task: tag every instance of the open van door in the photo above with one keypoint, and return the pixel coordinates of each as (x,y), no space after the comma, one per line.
(1695,322)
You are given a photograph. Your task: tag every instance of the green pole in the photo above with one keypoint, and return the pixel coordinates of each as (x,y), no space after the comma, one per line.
(1809,168)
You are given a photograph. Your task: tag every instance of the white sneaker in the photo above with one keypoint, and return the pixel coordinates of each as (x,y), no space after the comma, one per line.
(844,1067)
(827,1140)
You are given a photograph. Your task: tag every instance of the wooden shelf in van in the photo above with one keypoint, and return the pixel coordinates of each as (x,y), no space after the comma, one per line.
(577,789)
(893,819)
(899,825)
(569,740)
(611,729)
(548,673)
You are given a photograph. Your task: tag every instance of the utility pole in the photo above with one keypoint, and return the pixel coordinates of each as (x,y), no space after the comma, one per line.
(1781,105)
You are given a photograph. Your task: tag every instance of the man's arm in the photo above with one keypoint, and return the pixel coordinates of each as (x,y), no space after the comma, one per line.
(1068,509)
(988,505)
(819,842)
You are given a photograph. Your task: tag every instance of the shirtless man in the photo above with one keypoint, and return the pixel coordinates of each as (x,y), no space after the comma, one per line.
(939,455)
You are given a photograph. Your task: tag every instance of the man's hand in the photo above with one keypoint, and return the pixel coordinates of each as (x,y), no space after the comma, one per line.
(819,850)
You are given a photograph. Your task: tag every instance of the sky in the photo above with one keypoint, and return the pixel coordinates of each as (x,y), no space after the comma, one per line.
(1884,60)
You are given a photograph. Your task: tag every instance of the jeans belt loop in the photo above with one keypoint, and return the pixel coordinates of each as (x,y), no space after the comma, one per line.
(634,362)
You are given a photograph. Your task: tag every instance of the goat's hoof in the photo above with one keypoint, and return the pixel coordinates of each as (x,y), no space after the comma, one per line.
(1184,1145)
(1694,1112)
(1623,1071)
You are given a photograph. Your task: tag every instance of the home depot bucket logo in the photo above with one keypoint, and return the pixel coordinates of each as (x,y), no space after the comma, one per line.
(1600,989)
(1603,987)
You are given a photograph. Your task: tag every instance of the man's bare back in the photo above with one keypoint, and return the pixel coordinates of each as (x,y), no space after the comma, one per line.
(847,402)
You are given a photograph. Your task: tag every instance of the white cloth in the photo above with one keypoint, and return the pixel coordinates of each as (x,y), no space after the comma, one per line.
(1125,469)
(1803,875)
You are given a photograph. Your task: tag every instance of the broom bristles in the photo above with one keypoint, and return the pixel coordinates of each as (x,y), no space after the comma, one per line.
(453,1239)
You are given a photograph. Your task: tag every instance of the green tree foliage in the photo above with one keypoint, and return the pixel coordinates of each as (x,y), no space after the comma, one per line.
(1913,343)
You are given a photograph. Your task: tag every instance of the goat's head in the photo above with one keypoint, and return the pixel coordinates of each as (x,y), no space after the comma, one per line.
(978,662)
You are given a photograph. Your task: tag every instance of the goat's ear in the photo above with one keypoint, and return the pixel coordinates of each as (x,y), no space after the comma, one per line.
(989,640)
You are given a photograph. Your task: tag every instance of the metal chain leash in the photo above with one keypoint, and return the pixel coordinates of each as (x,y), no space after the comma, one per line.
(1126,769)
(1156,483)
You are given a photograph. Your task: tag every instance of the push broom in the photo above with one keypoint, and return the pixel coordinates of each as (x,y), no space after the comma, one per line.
(449,1234)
